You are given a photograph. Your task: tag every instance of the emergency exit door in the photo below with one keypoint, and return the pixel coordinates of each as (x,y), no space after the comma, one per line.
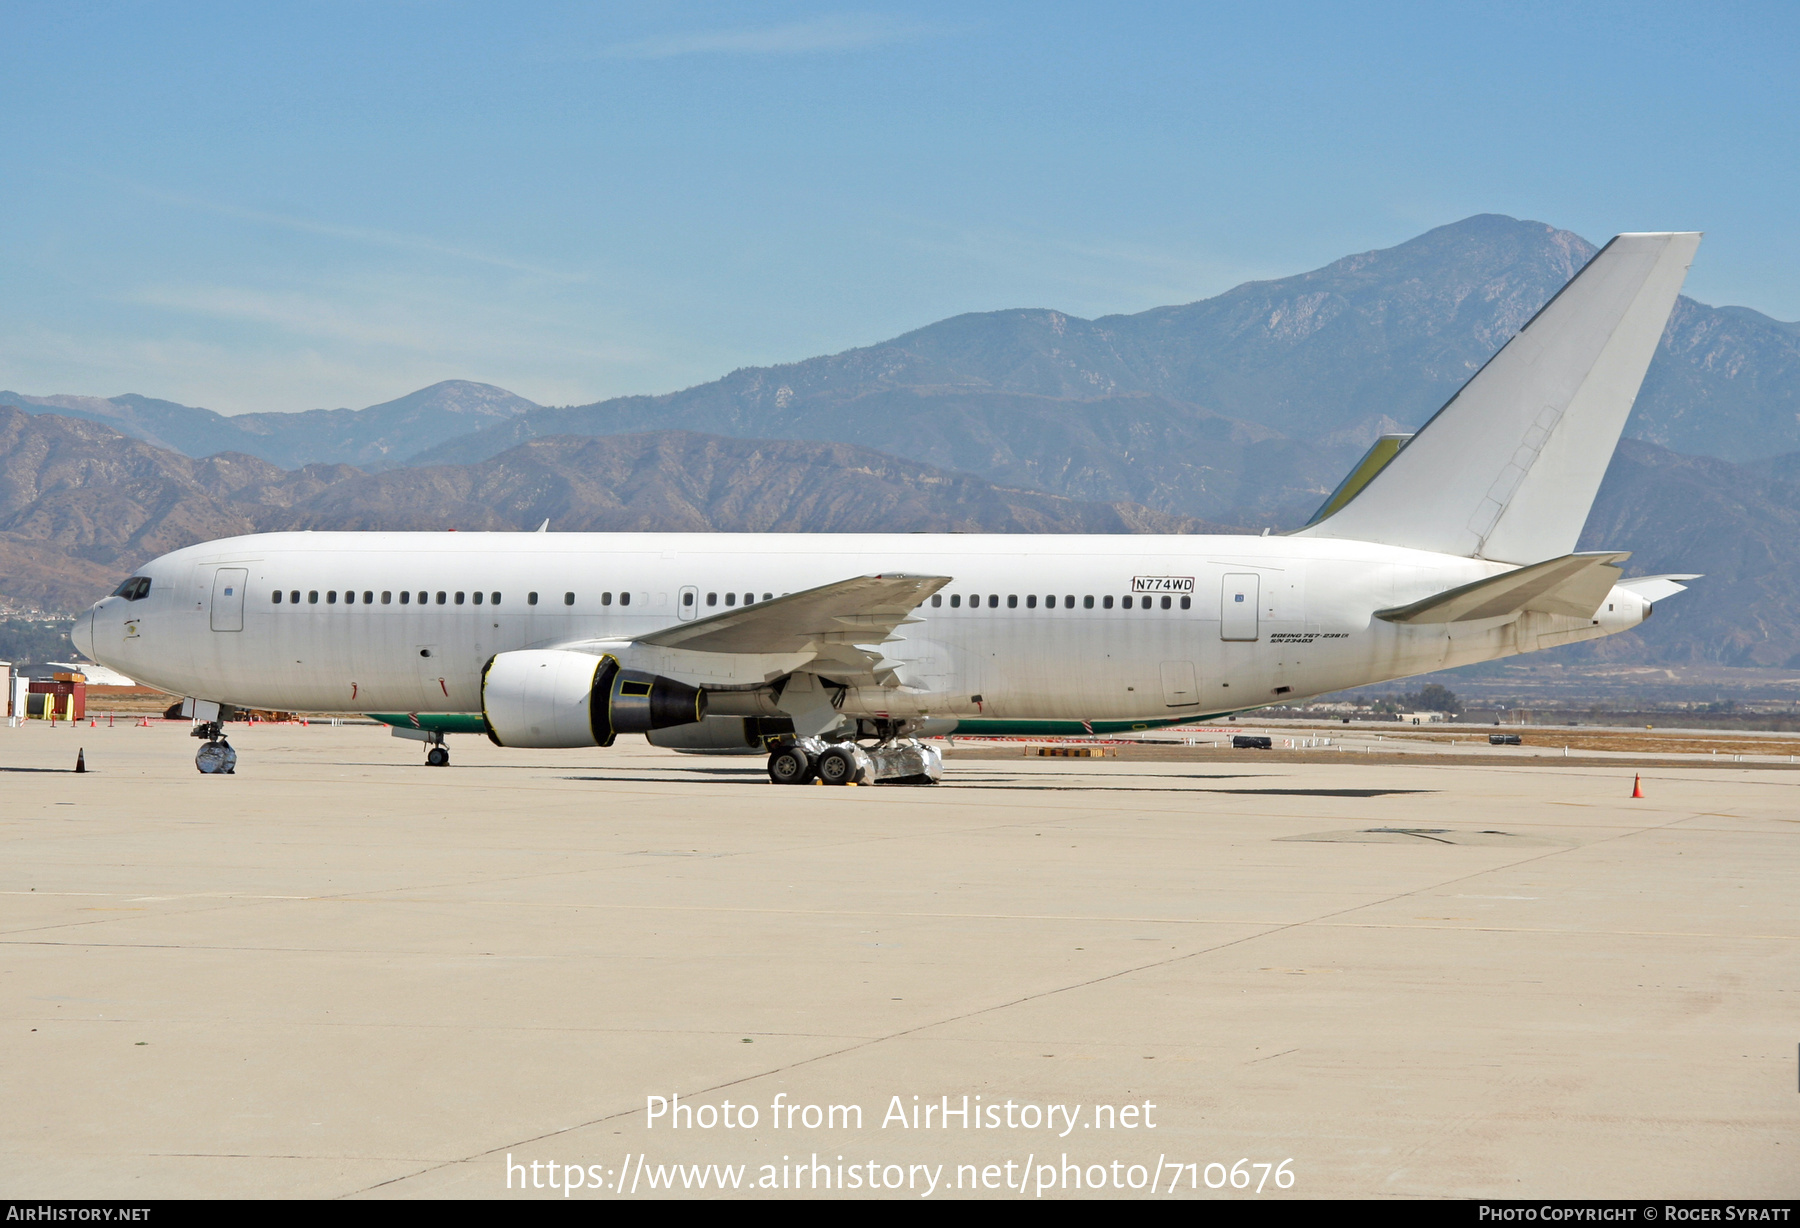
(228,598)
(1238,603)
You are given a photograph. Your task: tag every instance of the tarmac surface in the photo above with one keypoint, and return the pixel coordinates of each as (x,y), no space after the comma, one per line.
(341,974)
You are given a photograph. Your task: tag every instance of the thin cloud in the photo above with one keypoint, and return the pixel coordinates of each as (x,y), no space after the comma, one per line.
(357,234)
(834,32)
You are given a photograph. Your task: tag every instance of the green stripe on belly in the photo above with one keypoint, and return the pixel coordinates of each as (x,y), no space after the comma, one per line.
(1064,729)
(434,722)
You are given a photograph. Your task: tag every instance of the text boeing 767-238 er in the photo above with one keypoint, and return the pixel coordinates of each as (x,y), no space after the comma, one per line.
(833,653)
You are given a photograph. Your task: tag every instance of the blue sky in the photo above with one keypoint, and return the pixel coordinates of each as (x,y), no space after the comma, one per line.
(281,207)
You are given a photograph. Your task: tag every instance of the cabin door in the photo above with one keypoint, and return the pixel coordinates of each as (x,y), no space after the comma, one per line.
(228,598)
(1238,602)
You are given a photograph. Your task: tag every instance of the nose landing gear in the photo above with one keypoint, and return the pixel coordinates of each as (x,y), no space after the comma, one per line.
(438,756)
(215,758)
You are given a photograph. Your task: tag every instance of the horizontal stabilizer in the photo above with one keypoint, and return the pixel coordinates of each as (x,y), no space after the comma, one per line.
(862,610)
(1575,584)
(1654,588)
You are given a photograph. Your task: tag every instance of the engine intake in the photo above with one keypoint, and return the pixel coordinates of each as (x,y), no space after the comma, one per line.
(548,698)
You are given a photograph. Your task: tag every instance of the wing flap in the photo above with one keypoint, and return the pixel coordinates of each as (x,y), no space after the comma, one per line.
(1574,584)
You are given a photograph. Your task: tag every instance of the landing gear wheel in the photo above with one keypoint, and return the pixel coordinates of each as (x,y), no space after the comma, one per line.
(790,766)
(837,766)
(438,756)
(216,759)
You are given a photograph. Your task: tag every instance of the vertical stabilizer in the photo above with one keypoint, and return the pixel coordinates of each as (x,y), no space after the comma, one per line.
(1508,469)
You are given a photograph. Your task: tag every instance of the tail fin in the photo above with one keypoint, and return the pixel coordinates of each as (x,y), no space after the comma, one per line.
(1508,468)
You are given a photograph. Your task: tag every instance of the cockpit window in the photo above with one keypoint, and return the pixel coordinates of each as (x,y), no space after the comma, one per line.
(135,589)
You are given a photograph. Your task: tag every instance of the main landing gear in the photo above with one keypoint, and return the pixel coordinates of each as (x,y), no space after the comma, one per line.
(898,761)
(438,756)
(215,758)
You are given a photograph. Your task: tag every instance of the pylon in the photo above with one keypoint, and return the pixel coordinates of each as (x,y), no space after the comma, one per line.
(1637,785)
(81,759)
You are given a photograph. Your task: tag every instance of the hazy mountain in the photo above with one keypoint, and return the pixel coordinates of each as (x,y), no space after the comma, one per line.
(376,437)
(1373,342)
(381,435)
(1738,525)
(81,504)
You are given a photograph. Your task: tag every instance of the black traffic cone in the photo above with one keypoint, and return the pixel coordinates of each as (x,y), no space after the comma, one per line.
(81,760)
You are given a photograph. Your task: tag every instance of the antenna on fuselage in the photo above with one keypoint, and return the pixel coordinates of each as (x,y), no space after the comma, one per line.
(545,527)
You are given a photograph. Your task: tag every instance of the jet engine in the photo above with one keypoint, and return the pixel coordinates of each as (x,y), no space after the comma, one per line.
(558,698)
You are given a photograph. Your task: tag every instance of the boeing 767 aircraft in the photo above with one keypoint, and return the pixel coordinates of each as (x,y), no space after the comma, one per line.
(833,653)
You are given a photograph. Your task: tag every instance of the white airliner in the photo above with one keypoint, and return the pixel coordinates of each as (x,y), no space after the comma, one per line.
(833,652)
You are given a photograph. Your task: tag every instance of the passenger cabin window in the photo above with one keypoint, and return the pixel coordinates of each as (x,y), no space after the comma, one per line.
(687,599)
(294,596)
(424,597)
(730,598)
(624,598)
(442,597)
(459,599)
(312,597)
(405,598)
(605,598)
(568,598)
(1087,603)
(712,599)
(1187,603)
(955,601)
(530,598)
(493,598)
(477,598)
(768,596)
(387,598)
(1125,603)
(368,598)
(937,599)
(276,597)
(350,597)
(1030,601)
(993,601)
(331,597)
(749,598)
(1106,603)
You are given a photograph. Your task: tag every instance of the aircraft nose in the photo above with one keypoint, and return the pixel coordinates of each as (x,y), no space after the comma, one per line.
(82,635)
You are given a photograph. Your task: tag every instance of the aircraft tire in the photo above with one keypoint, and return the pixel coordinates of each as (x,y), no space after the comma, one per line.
(836,766)
(790,766)
(216,759)
(437,756)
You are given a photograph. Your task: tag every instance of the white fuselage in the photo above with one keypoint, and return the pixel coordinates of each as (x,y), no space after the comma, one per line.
(1267,619)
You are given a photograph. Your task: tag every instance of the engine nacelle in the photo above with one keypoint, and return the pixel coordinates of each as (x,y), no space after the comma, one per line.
(557,698)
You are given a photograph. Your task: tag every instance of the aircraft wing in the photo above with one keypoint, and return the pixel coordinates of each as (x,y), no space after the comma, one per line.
(1574,584)
(828,621)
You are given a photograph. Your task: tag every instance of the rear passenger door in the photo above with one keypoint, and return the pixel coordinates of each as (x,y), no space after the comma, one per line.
(1238,602)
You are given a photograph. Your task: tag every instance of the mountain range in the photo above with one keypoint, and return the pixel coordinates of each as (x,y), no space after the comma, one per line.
(1243,409)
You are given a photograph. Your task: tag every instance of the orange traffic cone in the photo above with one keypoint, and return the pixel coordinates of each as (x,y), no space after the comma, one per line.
(1637,785)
